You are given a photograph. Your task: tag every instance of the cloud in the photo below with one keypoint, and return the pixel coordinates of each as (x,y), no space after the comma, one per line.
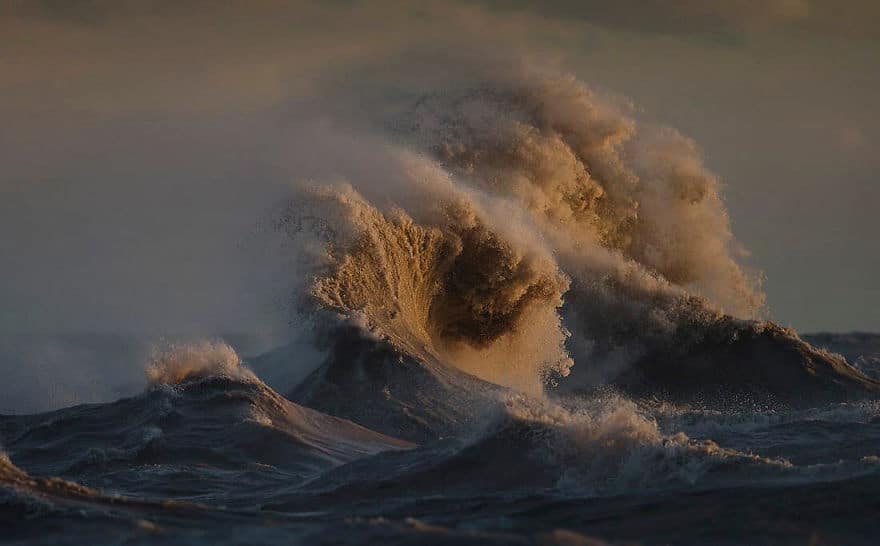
(724,20)
(851,137)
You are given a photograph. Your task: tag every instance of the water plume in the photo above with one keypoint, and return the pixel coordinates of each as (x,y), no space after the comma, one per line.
(454,292)
(600,187)
(493,204)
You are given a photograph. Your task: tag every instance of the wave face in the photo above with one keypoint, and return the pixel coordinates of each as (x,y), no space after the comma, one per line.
(376,385)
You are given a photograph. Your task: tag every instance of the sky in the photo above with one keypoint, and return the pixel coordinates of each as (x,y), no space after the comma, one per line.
(144,143)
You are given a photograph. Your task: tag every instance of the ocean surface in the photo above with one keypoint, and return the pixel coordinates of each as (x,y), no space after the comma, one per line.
(208,453)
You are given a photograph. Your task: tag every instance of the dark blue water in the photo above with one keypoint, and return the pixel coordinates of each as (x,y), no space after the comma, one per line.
(219,457)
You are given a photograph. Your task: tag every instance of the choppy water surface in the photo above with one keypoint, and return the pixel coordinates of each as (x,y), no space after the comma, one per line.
(210,453)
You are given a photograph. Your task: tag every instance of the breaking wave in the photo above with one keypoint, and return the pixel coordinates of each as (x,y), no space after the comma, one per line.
(455,293)
(514,228)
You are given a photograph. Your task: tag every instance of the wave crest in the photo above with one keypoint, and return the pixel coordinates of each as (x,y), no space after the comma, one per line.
(184,362)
